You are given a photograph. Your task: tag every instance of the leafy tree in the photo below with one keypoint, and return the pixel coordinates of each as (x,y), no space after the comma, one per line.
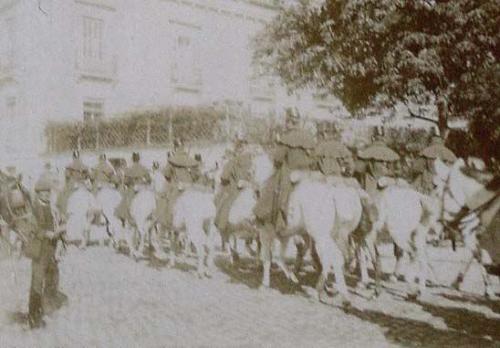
(383,52)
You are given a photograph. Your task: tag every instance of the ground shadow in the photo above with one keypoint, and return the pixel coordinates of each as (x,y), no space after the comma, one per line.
(412,333)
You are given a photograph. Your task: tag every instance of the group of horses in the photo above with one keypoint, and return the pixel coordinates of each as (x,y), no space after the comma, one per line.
(334,220)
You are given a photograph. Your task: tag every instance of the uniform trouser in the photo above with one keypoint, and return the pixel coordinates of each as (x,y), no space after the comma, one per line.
(224,205)
(44,280)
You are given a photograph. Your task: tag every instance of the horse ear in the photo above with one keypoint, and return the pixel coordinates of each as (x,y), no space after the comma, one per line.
(442,170)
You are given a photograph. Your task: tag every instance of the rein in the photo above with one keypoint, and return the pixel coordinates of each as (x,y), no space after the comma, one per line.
(453,226)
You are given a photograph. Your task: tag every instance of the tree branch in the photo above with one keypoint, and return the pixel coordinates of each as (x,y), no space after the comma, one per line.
(419,116)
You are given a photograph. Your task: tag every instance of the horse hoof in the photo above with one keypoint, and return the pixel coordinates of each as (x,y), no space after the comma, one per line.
(293,278)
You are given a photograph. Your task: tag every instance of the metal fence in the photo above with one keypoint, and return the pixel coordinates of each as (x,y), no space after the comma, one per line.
(202,125)
(160,128)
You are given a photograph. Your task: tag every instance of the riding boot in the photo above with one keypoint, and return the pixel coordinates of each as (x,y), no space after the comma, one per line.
(35,311)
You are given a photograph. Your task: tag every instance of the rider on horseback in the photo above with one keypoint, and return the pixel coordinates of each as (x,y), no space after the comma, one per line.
(77,171)
(181,170)
(136,174)
(335,160)
(423,167)
(238,168)
(380,160)
(293,153)
(103,173)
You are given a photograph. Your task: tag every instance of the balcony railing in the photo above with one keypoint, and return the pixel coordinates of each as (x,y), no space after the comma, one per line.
(96,69)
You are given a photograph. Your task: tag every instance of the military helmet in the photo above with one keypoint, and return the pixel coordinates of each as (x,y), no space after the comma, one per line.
(136,157)
(292,116)
(378,132)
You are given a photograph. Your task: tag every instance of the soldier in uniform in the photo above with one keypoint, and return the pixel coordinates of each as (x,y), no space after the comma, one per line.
(294,152)
(180,170)
(133,175)
(44,292)
(333,157)
(76,170)
(379,160)
(239,167)
(103,172)
(423,168)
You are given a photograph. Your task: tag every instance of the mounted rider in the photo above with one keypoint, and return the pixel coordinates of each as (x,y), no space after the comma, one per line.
(334,159)
(379,160)
(239,167)
(423,168)
(181,170)
(134,175)
(103,173)
(294,152)
(77,171)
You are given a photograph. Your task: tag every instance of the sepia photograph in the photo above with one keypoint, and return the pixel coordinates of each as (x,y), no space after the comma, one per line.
(249,173)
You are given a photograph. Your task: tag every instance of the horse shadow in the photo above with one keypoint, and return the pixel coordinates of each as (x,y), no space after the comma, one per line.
(414,333)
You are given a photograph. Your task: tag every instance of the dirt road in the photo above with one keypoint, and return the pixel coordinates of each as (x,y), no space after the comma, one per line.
(116,302)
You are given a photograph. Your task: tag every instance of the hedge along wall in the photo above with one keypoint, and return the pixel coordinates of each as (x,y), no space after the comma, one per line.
(194,125)
(202,125)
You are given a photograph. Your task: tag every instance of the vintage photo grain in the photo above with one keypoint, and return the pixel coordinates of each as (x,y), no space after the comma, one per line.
(249,173)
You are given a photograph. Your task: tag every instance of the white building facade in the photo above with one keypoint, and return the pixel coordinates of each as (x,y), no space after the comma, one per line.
(78,60)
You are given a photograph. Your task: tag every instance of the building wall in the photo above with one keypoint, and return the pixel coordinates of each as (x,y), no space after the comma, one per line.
(114,56)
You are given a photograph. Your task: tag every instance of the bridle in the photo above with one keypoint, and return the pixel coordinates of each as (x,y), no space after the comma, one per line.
(464,215)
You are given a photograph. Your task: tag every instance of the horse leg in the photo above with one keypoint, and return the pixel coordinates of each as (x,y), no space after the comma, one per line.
(399,254)
(471,250)
(421,240)
(363,268)
(267,240)
(377,266)
(173,248)
(327,265)
(488,290)
(159,253)
(209,247)
(130,232)
(301,247)
(281,260)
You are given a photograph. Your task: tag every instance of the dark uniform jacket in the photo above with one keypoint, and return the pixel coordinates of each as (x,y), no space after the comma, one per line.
(238,168)
(293,153)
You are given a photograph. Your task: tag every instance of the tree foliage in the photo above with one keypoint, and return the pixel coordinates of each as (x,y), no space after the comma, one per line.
(382,52)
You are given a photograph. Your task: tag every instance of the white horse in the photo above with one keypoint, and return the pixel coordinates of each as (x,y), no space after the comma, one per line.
(456,189)
(142,209)
(241,218)
(326,213)
(407,216)
(108,198)
(194,214)
(79,213)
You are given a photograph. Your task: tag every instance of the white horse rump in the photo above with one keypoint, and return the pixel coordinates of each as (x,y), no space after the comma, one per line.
(194,214)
